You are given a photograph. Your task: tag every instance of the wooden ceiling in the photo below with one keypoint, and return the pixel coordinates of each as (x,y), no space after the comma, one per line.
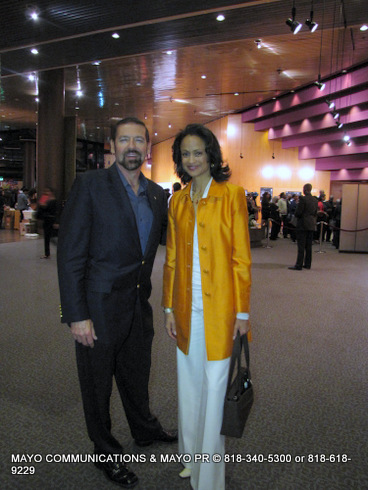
(135,74)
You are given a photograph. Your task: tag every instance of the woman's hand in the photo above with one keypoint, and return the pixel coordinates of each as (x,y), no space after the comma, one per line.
(241,326)
(170,325)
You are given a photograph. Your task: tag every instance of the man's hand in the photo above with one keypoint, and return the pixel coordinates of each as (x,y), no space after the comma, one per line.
(170,325)
(241,326)
(84,332)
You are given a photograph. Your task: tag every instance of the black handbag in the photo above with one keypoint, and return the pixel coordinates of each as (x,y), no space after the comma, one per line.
(239,393)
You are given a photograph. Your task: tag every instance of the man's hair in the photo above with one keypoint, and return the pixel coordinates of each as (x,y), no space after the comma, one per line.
(129,120)
(219,172)
(307,188)
(176,186)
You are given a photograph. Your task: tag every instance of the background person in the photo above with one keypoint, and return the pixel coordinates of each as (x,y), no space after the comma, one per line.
(306,212)
(47,212)
(206,294)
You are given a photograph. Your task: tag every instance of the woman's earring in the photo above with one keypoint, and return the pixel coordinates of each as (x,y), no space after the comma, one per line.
(212,165)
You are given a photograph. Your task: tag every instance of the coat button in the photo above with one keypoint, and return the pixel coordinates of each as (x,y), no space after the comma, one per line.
(206,271)
(201,224)
(203,247)
(207,294)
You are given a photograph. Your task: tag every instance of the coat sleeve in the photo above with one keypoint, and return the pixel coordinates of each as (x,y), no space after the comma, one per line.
(170,262)
(241,256)
(72,253)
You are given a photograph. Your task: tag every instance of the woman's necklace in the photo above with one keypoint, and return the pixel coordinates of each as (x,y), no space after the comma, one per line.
(196,196)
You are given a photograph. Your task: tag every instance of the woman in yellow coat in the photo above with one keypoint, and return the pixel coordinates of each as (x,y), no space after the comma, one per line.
(206,295)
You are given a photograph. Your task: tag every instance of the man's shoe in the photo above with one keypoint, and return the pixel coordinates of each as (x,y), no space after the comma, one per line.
(295,268)
(118,473)
(163,436)
(306,267)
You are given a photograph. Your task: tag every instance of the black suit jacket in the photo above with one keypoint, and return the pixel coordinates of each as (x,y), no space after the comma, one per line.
(306,212)
(100,260)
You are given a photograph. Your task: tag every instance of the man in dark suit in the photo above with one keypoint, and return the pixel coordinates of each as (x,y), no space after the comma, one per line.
(111,226)
(306,212)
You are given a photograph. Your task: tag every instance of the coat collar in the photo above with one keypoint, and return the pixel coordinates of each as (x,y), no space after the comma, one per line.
(217,189)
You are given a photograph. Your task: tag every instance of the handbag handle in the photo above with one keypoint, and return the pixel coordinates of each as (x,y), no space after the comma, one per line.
(240,342)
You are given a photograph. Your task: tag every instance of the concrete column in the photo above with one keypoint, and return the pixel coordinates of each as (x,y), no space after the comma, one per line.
(70,153)
(29,163)
(50,132)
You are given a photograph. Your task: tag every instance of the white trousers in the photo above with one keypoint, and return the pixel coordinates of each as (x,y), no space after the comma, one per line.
(201,391)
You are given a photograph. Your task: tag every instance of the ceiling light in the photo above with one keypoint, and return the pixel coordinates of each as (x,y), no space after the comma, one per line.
(169,52)
(236,93)
(321,86)
(204,77)
(258,43)
(96,63)
(32,12)
(312,26)
(294,25)
(115,35)
(330,103)
(79,93)
(34,51)
(364,28)
(339,124)
(346,137)
(169,125)
(220,18)
(335,114)
(348,143)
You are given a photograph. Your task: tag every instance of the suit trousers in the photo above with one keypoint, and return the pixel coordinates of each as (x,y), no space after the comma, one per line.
(128,359)
(201,389)
(305,241)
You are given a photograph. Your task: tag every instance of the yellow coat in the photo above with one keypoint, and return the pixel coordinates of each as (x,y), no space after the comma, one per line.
(225,259)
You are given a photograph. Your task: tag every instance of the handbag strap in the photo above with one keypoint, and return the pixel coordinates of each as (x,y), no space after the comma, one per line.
(240,342)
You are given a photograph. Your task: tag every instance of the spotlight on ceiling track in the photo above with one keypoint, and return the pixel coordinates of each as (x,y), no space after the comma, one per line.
(312,26)
(330,103)
(339,124)
(258,43)
(320,85)
(294,25)
(335,115)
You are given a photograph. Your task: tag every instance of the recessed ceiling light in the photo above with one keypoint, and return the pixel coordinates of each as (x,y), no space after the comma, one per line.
(220,18)
(156,134)
(169,52)
(96,63)
(79,93)
(236,93)
(364,27)
(204,77)
(34,51)
(115,35)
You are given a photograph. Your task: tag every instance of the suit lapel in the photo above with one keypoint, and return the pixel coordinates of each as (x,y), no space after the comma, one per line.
(155,203)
